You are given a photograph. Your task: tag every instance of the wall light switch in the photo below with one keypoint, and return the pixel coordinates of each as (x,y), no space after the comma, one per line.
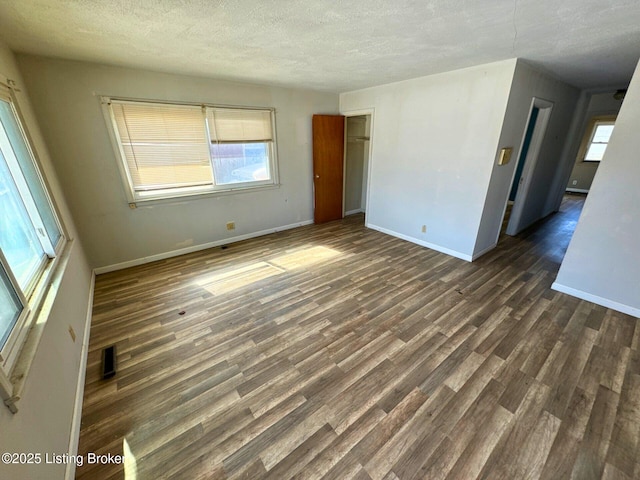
(505,156)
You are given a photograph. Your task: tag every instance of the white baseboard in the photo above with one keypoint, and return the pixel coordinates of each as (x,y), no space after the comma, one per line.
(195,248)
(432,246)
(482,252)
(605,302)
(353,212)
(74,437)
(576,190)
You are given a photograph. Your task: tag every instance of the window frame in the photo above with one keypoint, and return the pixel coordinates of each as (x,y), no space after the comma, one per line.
(29,202)
(36,297)
(172,193)
(17,333)
(590,132)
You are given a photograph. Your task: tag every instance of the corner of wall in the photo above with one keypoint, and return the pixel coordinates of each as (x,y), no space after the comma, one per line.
(485,239)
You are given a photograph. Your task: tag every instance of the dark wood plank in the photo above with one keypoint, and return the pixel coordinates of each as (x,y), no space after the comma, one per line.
(333,351)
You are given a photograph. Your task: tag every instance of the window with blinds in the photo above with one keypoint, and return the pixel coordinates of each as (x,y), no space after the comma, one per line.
(170,150)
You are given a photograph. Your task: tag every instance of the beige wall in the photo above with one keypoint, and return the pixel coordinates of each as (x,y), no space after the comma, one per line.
(45,417)
(433,145)
(66,98)
(583,172)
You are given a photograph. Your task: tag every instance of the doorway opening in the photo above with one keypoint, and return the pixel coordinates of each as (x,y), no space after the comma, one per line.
(356,164)
(515,218)
(341,160)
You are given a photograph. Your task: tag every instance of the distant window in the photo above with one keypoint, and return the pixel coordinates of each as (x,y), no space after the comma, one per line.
(597,138)
(173,150)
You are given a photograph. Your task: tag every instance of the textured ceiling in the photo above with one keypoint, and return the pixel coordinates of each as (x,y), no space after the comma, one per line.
(333,45)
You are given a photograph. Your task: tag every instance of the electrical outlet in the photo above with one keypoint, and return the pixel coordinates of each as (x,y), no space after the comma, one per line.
(424,229)
(575,182)
(231,225)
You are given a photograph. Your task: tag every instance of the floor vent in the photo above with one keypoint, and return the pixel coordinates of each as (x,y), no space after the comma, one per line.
(109,362)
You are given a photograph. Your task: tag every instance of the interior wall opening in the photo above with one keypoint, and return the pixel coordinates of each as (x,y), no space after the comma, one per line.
(514,220)
(356,165)
(597,125)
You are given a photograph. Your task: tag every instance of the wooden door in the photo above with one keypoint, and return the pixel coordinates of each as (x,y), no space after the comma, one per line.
(328,157)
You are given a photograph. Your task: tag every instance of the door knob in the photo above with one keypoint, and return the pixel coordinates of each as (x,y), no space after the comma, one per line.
(317,176)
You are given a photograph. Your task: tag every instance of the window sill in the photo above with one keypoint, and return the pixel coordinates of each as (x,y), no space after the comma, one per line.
(52,279)
(173,198)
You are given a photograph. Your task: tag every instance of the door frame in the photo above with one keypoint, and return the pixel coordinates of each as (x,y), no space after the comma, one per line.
(368,160)
(545,108)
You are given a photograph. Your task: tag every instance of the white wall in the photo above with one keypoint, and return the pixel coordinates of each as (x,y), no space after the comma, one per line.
(433,146)
(43,422)
(602,263)
(65,96)
(527,83)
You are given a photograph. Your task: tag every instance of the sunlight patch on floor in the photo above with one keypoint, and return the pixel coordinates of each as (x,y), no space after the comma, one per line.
(231,279)
(130,464)
(305,257)
(241,277)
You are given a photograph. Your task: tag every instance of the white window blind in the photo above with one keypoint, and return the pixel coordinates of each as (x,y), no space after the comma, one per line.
(229,125)
(173,150)
(165,146)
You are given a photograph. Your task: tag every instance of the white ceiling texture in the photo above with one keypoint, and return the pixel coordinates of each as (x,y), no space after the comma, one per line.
(333,45)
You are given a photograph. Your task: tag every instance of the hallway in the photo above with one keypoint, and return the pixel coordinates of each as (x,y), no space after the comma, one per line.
(552,234)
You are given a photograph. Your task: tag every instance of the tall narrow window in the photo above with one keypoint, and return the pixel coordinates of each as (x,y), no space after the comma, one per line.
(30,235)
(170,150)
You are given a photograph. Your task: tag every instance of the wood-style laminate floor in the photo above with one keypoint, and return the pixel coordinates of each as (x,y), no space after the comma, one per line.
(338,352)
